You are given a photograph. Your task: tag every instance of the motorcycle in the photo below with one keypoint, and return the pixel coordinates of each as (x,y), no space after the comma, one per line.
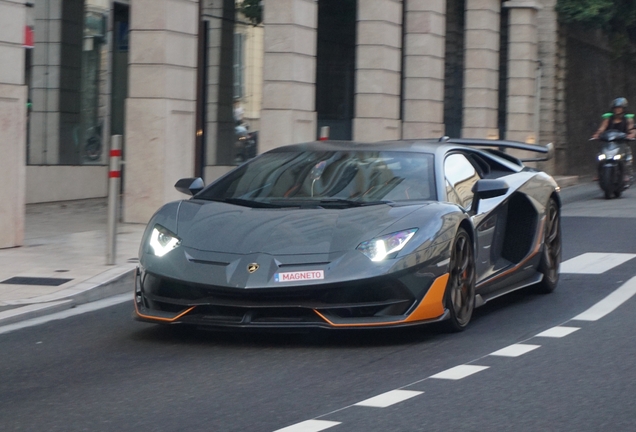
(615,171)
(245,143)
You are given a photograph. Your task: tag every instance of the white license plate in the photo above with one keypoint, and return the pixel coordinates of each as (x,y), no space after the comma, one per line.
(299,276)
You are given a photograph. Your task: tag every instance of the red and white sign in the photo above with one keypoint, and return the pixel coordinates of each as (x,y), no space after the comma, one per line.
(28,37)
(299,276)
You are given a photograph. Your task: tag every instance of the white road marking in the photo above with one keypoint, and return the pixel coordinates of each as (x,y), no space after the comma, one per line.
(595,263)
(459,372)
(609,303)
(515,350)
(79,310)
(558,332)
(309,426)
(389,398)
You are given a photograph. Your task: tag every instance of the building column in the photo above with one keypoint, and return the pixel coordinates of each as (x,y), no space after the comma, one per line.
(13,96)
(160,109)
(522,70)
(549,56)
(481,75)
(378,71)
(289,75)
(424,44)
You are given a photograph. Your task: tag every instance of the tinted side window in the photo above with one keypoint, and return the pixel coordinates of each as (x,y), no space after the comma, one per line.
(460,178)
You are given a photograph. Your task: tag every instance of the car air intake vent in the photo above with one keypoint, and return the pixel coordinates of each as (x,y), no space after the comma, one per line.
(216,263)
(522,224)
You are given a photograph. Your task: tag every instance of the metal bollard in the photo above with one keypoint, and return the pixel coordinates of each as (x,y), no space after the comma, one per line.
(324,133)
(114,177)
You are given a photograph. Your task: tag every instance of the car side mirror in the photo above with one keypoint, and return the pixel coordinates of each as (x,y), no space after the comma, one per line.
(190,186)
(488,188)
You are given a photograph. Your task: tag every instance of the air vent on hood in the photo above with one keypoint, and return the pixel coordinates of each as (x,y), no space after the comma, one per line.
(305,264)
(216,263)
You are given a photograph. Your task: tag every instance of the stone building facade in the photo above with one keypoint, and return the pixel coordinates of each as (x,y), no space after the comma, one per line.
(369,69)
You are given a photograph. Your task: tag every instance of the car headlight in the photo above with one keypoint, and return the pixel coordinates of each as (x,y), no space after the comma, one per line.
(602,157)
(383,247)
(162,241)
(617,157)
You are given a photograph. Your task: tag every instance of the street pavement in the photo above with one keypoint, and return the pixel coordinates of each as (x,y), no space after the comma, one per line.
(557,362)
(65,247)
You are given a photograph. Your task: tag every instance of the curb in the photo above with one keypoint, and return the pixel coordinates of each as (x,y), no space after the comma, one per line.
(110,283)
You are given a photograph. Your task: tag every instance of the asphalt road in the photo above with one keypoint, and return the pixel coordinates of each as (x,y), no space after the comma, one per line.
(102,371)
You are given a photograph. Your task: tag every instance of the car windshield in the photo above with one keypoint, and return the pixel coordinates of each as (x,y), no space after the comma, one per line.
(327,178)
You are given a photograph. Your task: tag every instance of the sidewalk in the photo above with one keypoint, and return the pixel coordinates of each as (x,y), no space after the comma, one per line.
(63,260)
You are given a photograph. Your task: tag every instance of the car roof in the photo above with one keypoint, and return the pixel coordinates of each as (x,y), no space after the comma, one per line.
(419,146)
(434,146)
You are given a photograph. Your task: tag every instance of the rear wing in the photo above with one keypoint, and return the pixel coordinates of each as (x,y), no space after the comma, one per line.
(500,147)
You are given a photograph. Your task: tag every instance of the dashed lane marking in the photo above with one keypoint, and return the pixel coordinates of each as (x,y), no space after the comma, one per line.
(309,426)
(595,263)
(515,350)
(459,372)
(609,303)
(389,398)
(558,332)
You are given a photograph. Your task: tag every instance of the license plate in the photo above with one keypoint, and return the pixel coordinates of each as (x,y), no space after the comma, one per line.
(299,276)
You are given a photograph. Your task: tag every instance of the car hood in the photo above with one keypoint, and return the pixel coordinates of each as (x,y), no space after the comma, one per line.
(220,227)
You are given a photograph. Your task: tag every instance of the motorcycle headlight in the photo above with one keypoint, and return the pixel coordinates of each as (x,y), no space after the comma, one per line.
(602,157)
(162,241)
(386,246)
(617,157)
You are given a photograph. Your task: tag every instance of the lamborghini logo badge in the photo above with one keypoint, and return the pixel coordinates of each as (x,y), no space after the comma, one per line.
(252,267)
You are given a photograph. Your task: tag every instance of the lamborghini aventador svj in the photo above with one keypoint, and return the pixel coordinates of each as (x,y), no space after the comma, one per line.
(348,235)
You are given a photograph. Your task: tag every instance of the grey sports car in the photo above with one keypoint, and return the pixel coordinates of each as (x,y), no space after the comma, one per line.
(348,235)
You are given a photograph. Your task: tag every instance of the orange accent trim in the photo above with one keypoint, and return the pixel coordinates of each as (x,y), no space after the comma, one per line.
(535,251)
(431,307)
(162,319)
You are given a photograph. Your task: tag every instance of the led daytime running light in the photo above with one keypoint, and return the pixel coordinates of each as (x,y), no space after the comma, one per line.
(382,247)
(162,241)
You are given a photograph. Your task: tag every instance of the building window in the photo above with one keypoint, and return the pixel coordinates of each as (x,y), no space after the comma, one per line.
(239,76)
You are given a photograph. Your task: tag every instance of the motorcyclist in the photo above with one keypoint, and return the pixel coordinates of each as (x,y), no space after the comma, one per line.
(618,119)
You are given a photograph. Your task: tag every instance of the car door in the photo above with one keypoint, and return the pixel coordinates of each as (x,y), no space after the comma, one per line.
(461,174)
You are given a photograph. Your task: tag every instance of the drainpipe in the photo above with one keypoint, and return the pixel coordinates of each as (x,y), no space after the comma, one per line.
(537,104)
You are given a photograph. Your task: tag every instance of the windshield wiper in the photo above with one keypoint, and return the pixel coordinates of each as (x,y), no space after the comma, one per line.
(351,203)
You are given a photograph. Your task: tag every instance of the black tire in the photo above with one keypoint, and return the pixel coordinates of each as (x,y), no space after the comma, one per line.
(459,298)
(605,180)
(618,193)
(552,247)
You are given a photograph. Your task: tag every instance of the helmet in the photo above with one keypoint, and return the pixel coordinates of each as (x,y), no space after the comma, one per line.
(620,102)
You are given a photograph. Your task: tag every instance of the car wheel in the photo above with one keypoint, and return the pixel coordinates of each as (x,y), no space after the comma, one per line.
(551,256)
(459,298)
(605,181)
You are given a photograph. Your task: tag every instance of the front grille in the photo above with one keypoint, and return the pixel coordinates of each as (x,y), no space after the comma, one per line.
(380,297)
